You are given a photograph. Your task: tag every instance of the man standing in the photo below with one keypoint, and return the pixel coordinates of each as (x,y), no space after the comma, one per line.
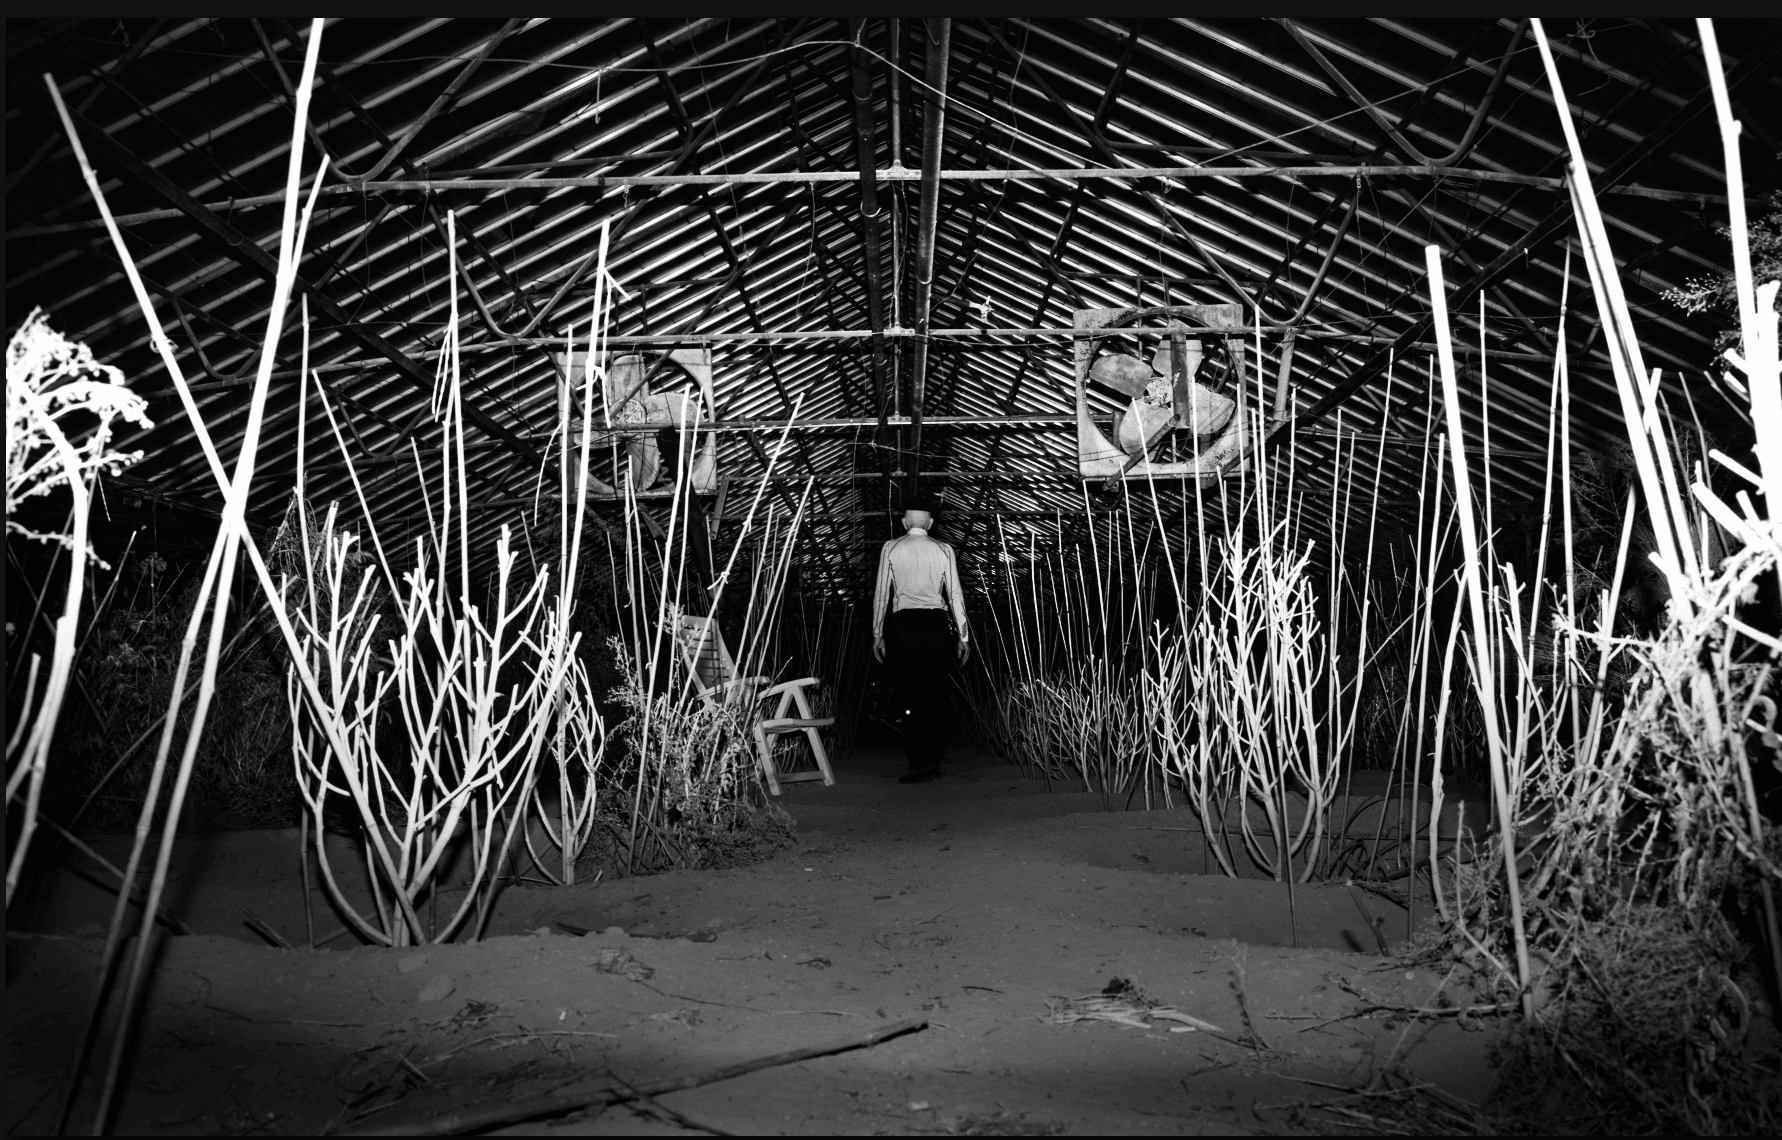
(919,579)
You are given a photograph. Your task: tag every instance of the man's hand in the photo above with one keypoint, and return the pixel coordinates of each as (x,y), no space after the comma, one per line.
(878,648)
(964,651)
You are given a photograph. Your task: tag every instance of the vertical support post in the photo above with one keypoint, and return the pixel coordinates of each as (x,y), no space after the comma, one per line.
(1284,381)
(894,50)
(869,230)
(934,122)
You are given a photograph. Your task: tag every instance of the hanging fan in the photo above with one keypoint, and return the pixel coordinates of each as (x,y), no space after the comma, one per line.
(1162,396)
(631,399)
(1177,414)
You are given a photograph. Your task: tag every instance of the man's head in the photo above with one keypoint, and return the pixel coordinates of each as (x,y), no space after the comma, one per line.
(918,514)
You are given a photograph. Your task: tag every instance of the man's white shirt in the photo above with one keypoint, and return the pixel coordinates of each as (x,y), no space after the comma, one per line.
(917,572)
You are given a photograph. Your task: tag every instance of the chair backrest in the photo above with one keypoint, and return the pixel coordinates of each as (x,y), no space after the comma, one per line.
(702,643)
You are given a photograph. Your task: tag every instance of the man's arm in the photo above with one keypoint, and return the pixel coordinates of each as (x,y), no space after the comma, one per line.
(881,596)
(956,594)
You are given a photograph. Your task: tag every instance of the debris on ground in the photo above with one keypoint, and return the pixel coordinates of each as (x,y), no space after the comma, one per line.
(1123,1003)
(611,960)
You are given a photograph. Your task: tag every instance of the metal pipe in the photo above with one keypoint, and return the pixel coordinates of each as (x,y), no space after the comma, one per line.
(1305,306)
(869,228)
(818,336)
(1283,383)
(1462,148)
(934,124)
(897,50)
(893,48)
(1284,380)
(744,340)
(894,174)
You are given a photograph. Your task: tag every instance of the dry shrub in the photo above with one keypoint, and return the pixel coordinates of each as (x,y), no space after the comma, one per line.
(705,838)
(690,765)
(61,405)
(695,836)
(736,834)
(1635,824)
(1638,856)
(1646,1026)
(1653,1028)
(242,777)
(1084,721)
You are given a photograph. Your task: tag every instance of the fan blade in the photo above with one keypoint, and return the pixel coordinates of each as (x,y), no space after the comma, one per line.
(1127,375)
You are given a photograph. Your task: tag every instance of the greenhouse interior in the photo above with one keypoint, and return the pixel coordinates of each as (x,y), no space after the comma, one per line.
(982,576)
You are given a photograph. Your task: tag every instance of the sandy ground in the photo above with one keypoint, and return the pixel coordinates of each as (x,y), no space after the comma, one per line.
(977,902)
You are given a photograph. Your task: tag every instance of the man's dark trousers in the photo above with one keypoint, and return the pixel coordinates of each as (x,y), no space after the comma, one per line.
(919,650)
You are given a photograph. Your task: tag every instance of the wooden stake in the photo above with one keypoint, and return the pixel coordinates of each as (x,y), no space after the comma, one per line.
(557,1104)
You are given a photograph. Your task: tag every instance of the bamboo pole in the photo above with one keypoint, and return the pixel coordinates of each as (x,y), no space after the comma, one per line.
(220,569)
(1625,355)
(1419,662)
(1763,372)
(1485,675)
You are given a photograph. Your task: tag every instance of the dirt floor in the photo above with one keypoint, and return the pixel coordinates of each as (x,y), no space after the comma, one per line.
(980,902)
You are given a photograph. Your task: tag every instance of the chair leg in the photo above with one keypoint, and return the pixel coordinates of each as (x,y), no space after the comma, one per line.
(822,756)
(816,739)
(764,749)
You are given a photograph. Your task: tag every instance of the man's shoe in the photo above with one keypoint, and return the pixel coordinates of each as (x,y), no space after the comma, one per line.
(919,776)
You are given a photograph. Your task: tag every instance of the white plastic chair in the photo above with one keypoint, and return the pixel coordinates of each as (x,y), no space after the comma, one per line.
(714,672)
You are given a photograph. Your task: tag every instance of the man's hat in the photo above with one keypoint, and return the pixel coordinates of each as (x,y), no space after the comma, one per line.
(919,503)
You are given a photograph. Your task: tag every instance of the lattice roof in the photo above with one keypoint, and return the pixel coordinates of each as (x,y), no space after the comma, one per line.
(424,116)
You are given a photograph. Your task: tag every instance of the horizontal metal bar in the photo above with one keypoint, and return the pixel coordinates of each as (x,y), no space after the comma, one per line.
(1229,152)
(353,365)
(1168,279)
(1039,420)
(793,336)
(1363,439)
(745,340)
(1035,419)
(889,174)
(522,167)
(943,514)
(742,483)
(893,333)
(1007,475)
